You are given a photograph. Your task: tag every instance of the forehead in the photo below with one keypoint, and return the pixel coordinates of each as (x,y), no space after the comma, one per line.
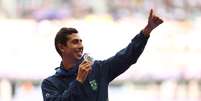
(73,36)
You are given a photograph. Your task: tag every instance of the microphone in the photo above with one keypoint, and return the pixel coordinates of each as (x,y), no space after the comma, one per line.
(88,58)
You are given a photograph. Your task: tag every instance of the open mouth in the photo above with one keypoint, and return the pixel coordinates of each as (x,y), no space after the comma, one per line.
(79,52)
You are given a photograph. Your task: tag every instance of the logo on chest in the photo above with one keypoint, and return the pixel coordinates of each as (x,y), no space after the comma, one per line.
(93,85)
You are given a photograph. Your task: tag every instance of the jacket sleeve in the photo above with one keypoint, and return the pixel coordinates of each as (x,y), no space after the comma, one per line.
(121,61)
(52,93)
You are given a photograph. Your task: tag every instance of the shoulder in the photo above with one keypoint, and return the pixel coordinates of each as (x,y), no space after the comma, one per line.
(49,80)
(46,80)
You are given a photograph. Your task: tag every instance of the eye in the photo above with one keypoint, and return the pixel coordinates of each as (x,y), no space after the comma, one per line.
(76,41)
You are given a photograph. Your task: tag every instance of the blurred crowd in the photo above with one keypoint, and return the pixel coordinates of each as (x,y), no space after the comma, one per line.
(62,9)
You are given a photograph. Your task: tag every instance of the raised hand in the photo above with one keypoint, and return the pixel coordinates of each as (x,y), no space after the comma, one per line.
(153,22)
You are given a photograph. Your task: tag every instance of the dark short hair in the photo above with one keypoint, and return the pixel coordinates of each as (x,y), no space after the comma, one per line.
(62,37)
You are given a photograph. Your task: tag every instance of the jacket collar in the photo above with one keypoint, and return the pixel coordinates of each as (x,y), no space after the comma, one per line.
(61,71)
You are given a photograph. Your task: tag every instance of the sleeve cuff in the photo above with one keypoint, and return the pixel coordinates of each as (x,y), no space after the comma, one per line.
(76,83)
(143,36)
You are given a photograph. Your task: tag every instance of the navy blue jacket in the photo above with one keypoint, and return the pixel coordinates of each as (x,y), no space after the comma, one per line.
(63,86)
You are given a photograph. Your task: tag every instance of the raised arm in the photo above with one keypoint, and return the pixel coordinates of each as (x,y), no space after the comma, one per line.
(120,62)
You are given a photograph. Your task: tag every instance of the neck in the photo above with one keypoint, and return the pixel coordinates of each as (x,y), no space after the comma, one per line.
(68,63)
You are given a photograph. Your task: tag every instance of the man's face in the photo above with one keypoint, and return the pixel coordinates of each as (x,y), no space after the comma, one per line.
(74,48)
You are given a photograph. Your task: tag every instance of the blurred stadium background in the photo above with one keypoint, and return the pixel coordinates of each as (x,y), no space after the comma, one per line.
(168,70)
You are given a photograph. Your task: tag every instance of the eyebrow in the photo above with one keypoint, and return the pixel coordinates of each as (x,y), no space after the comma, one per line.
(76,39)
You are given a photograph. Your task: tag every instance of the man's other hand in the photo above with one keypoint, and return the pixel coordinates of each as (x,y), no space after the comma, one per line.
(153,22)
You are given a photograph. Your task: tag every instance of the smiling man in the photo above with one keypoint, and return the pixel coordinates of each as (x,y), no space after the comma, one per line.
(79,80)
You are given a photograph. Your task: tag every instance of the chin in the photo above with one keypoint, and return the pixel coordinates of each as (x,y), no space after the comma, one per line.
(78,57)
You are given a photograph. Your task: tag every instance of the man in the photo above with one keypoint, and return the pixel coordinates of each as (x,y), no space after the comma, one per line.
(80,80)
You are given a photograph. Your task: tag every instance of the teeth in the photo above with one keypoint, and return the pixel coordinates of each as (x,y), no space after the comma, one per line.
(79,51)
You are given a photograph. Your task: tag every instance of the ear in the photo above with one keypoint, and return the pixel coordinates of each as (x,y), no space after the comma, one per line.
(61,47)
